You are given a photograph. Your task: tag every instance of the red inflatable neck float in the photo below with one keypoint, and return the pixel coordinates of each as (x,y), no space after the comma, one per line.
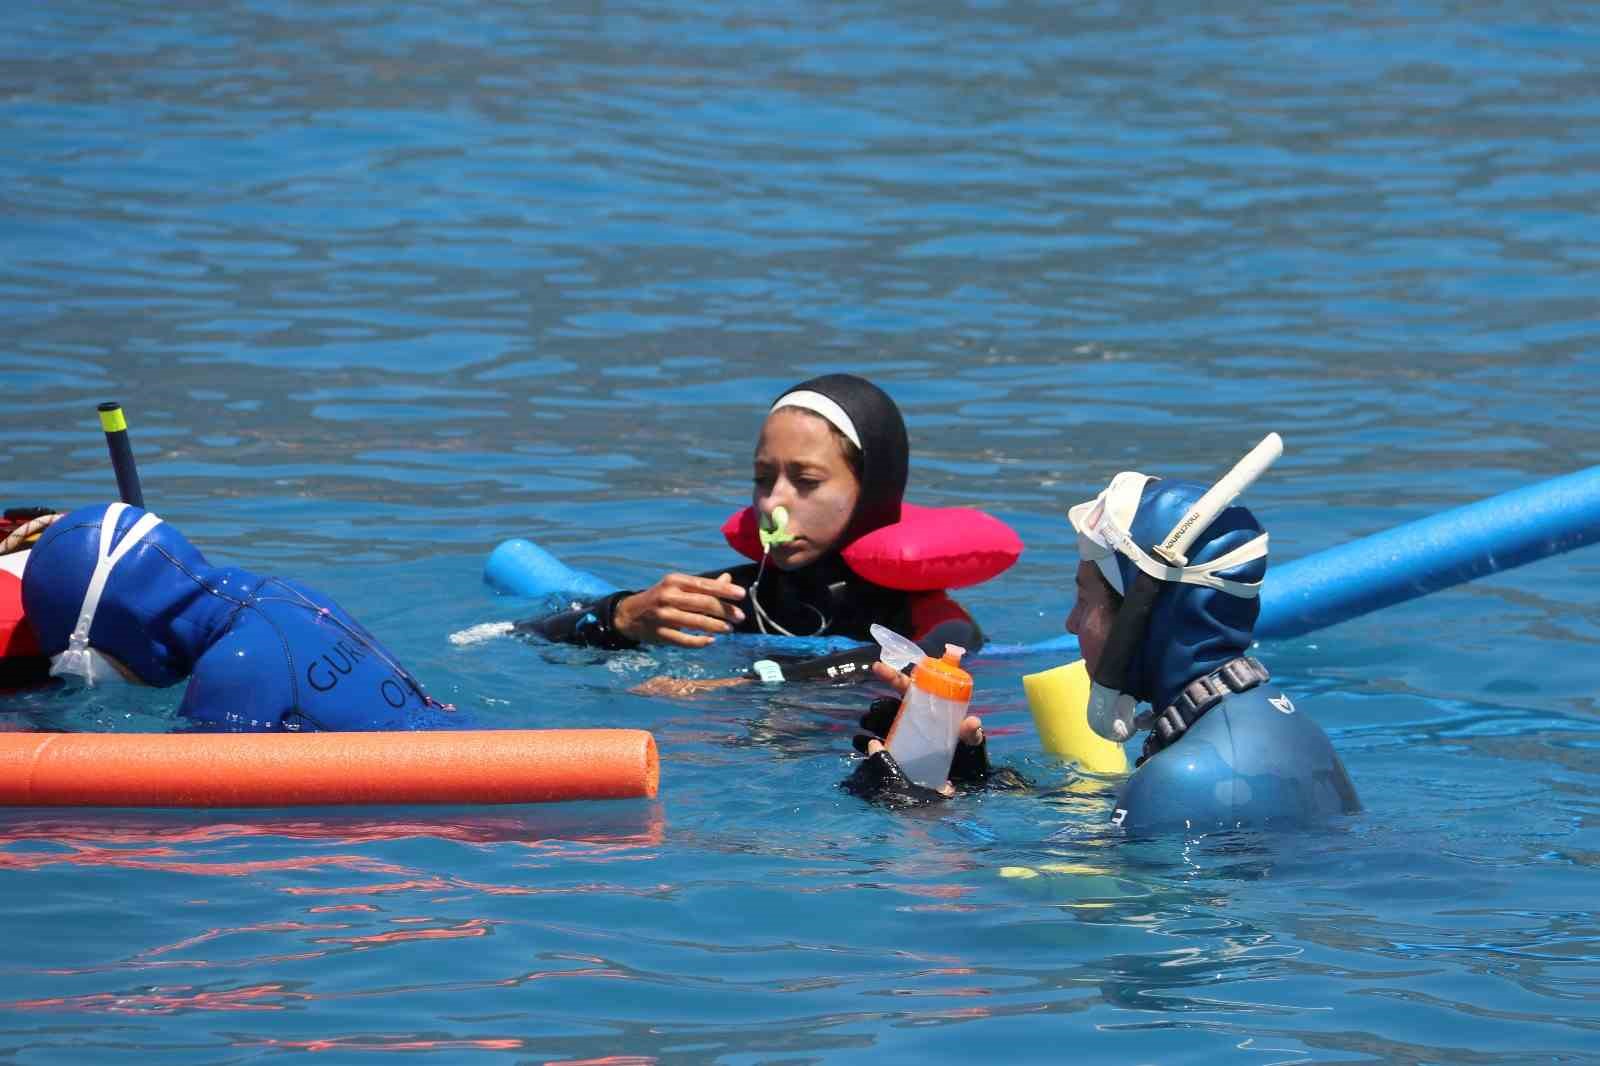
(16,637)
(930,548)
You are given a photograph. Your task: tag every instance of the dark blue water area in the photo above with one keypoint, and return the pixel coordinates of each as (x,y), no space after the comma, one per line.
(381,285)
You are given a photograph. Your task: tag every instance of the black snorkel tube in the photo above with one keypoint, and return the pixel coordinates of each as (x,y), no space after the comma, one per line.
(1111,709)
(115,426)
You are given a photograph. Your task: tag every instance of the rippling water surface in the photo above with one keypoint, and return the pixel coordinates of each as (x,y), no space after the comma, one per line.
(383,284)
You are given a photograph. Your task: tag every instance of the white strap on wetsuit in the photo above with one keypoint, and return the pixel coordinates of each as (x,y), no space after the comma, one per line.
(79,659)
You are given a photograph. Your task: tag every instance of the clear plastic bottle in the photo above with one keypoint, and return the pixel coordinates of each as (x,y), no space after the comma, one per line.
(925,732)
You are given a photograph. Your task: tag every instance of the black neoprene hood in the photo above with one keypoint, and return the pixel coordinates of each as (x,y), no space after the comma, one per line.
(885,449)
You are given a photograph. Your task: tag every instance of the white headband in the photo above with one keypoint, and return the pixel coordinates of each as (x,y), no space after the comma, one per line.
(819,404)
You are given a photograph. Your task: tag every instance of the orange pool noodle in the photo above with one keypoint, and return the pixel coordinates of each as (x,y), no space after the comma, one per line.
(324,769)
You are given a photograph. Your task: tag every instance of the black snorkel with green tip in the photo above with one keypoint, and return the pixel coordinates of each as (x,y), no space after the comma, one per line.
(115,425)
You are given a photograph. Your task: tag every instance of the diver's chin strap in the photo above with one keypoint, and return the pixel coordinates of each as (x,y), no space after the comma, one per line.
(79,659)
(1198,697)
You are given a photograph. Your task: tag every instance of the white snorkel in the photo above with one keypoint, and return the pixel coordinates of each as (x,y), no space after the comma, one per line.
(1102,525)
(79,659)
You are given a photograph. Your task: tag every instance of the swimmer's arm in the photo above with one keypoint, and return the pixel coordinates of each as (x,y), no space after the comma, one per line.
(681,609)
(855,664)
(936,620)
(589,625)
(669,612)
(850,665)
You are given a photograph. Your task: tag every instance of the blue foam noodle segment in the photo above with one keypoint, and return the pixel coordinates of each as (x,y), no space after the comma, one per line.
(1430,554)
(521,568)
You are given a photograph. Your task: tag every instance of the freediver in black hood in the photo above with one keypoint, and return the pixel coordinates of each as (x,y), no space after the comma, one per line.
(832,460)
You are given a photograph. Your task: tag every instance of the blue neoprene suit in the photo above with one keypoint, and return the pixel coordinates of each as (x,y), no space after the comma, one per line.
(1254,760)
(261,653)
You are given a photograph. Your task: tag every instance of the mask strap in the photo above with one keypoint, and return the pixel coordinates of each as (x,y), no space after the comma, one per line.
(108,558)
(1203,573)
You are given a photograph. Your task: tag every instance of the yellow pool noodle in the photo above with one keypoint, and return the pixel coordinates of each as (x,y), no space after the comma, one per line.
(1059,699)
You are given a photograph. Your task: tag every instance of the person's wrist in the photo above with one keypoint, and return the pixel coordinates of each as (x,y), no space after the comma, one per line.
(624,618)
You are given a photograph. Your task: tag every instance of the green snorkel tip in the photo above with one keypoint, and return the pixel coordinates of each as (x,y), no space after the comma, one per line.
(774,528)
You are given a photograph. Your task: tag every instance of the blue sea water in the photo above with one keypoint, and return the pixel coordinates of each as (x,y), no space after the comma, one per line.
(381,285)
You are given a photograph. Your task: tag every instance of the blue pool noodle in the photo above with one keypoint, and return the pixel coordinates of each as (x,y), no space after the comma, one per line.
(522,568)
(1430,554)
(1308,594)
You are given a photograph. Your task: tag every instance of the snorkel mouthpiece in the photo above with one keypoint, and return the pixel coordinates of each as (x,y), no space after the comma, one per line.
(774,528)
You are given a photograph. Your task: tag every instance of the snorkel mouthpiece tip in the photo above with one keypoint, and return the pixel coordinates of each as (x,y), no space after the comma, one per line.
(774,528)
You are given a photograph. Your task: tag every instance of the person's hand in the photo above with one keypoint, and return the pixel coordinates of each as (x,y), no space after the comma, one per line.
(684,687)
(879,777)
(898,680)
(669,611)
(882,713)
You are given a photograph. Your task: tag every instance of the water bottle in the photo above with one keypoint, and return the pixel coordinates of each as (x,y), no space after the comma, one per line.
(925,732)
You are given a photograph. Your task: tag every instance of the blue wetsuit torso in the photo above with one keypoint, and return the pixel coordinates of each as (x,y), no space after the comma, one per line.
(1254,759)
(261,653)
(292,659)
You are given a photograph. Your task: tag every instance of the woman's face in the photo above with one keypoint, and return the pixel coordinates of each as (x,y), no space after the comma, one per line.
(800,465)
(1092,614)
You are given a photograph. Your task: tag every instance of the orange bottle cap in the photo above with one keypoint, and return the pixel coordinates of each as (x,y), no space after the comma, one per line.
(944,677)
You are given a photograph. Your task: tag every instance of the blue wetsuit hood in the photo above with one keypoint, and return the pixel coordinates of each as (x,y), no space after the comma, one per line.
(162,607)
(1192,629)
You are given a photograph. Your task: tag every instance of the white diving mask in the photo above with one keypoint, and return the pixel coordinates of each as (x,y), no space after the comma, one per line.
(79,659)
(1102,527)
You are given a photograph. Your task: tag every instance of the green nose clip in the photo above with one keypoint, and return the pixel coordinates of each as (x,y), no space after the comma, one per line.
(774,528)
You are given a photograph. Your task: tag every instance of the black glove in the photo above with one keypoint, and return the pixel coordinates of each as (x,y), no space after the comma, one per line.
(591,625)
(877,722)
(878,778)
